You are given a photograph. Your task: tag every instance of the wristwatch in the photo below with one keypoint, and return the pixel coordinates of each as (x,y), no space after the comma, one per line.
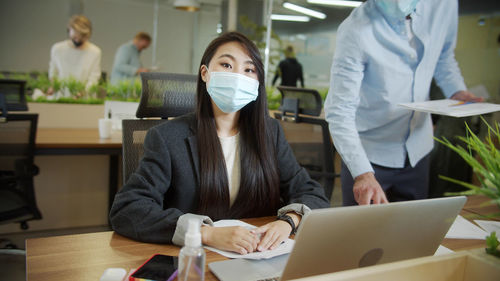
(289,220)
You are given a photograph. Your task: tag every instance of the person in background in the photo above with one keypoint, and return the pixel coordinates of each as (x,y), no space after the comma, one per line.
(213,164)
(76,57)
(127,63)
(289,69)
(387,53)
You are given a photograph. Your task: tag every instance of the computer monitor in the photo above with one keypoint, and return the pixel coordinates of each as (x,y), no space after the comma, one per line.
(13,92)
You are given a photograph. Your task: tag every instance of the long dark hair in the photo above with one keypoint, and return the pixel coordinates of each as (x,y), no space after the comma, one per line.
(258,194)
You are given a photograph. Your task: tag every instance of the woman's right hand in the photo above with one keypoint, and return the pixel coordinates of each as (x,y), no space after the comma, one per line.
(234,238)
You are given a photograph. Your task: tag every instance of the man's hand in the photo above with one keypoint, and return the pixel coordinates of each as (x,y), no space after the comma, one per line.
(466,96)
(367,190)
(234,238)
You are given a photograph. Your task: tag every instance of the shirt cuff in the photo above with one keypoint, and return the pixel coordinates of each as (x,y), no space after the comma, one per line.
(299,209)
(182,226)
(449,89)
(359,167)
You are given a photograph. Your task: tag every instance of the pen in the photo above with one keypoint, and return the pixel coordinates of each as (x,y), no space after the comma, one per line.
(462,103)
(172,277)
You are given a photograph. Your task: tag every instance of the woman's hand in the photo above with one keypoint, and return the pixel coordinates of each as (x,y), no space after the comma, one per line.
(274,233)
(235,238)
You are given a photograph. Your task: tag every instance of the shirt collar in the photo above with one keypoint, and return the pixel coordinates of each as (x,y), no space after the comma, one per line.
(133,45)
(397,25)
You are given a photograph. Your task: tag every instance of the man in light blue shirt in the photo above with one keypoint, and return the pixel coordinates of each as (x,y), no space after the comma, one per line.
(387,53)
(127,63)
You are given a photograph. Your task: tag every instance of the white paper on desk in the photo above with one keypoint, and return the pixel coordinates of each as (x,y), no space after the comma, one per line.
(464,229)
(285,248)
(451,108)
(490,226)
(442,250)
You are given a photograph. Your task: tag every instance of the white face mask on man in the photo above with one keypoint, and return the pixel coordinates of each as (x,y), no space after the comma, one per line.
(232,91)
(397,9)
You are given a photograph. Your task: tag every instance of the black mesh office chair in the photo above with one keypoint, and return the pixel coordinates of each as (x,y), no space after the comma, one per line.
(17,168)
(133,134)
(164,95)
(307,134)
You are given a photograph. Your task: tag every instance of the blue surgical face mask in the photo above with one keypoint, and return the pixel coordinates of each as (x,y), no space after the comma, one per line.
(232,91)
(397,9)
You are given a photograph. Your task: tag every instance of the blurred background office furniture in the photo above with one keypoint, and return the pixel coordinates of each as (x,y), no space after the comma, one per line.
(17,148)
(82,141)
(13,92)
(164,96)
(17,169)
(308,134)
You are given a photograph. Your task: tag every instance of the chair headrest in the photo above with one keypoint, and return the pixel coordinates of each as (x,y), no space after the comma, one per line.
(309,101)
(167,95)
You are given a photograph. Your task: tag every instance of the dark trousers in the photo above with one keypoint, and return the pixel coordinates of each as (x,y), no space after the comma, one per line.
(399,184)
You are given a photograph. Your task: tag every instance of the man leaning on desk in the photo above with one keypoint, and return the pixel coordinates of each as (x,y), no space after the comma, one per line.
(127,63)
(387,53)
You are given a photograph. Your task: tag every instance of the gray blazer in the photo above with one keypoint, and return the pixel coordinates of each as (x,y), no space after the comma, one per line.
(162,194)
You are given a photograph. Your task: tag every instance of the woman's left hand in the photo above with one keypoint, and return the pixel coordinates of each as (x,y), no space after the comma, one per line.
(272,234)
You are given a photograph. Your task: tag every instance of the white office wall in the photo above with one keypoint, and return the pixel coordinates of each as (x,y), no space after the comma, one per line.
(28,28)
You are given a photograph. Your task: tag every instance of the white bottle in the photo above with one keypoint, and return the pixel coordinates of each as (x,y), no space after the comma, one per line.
(192,255)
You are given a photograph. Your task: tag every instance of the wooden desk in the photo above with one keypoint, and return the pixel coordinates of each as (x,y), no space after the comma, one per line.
(74,139)
(69,141)
(478,206)
(475,208)
(86,256)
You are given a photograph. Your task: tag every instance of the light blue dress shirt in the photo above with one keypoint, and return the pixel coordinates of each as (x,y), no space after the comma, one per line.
(375,68)
(126,63)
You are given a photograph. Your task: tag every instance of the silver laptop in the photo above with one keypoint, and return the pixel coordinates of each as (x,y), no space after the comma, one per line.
(336,239)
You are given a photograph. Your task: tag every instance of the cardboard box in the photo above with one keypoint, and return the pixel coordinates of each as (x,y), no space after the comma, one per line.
(473,265)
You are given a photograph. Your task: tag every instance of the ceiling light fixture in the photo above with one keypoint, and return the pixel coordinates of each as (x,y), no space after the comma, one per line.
(305,11)
(343,3)
(290,18)
(187,5)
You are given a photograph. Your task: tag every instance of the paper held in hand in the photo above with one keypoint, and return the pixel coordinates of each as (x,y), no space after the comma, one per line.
(285,248)
(452,108)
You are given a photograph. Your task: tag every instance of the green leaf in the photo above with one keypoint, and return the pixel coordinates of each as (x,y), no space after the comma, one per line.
(484,159)
(492,244)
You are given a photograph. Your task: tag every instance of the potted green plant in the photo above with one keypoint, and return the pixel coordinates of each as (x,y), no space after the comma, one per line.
(76,88)
(484,158)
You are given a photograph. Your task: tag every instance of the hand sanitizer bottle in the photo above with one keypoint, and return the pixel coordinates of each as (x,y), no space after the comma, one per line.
(192,255)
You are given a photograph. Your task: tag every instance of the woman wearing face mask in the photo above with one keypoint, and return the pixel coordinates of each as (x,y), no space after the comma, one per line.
(76,57)
(227,160)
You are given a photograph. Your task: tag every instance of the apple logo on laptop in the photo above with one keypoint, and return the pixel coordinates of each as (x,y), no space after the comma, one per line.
(371,257)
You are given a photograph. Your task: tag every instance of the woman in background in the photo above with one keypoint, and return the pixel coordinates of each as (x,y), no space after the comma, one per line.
(227,160)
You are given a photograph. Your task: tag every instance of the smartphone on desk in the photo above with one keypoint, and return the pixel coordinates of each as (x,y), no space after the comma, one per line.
(157,268)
